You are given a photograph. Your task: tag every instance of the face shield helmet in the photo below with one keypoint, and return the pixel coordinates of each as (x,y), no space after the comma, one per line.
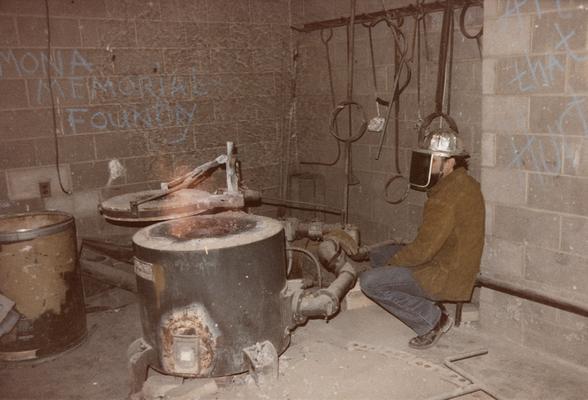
(443,143)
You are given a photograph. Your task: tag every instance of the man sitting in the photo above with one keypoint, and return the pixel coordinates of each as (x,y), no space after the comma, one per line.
(441,264)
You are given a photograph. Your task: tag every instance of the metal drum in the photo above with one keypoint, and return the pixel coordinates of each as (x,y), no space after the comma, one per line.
(209,286)
(39,271)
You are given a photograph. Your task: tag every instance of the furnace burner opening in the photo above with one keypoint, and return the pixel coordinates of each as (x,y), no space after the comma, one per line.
(198,228)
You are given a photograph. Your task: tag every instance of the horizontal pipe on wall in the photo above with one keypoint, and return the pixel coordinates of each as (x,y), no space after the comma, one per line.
(533,295)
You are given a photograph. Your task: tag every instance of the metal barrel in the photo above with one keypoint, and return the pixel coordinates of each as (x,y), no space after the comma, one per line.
(39,271)
(209,287)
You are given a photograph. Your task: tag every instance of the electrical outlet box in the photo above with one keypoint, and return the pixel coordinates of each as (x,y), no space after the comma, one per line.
(45,189)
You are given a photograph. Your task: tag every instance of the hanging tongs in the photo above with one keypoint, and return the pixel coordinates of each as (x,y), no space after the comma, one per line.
(441,76)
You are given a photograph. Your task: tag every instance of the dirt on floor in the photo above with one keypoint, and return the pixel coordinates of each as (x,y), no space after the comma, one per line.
(360,354)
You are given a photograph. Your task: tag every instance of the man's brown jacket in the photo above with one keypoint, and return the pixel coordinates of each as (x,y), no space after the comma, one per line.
(447,250)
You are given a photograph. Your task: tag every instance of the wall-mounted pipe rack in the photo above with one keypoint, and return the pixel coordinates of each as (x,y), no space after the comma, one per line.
(393,13)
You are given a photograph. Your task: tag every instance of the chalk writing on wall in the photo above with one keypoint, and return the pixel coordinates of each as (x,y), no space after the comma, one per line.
(142,101)
(538,72)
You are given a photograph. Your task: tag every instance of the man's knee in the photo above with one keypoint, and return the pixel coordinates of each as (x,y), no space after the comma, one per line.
(367,280)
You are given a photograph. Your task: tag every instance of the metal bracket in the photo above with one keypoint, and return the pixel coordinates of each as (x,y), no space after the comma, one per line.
(263,362)
(140,355)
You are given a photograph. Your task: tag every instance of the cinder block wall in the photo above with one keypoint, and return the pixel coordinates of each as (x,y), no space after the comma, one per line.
(535,170)
(144,90)
(378,219)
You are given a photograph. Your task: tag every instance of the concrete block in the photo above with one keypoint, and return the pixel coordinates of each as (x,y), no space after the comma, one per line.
(66,92)
(82,8)
(466,107)
(261,178)
(131,9)
(144,169)
(556,31)
(199,35)
(192,389)
(17,154)
(22,7)
(498,36)
(491,9)
(502,317)
(559,341)
(204,111)
(317,10)
(86,202)
(95,174)
(558,193)
(73,148)
(572,321)
(258,154)
(520,225)
(188,10)
(489,76)
(559,115)
(107,33)
(578,71)
(21,206)
(503,185)
(24,183)
(137,62)
(181,61)
(120,144)
(534,313)
(530,152)
(531,74)
(171,140)
(268,60)
(505,114)
(8,35)
(489,222)
(229,11)
(14,94)
(575,156)
(3,186)
(231,60)
(60,201)
(33,32)
(574,235)
(511,8)
(258,131)
(95,119)
(275,12)
(502,257)
(235,109)
(215,135)
(557,270)
(152,34)
(488,149)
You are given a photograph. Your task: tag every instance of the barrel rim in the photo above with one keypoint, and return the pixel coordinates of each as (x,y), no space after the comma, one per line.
(20,235)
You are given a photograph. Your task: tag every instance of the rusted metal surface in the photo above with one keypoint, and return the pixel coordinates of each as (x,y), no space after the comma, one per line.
(204,284)
(41,274)
(185,330)
(179,204)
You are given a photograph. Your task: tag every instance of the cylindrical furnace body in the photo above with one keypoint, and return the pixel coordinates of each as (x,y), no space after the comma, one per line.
(210,286)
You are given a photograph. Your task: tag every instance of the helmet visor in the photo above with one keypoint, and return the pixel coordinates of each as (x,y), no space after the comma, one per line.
(420,170)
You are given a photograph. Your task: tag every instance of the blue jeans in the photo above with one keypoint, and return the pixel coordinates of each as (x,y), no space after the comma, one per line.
(397,291)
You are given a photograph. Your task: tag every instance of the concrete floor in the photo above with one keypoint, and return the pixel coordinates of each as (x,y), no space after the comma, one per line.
(361,354)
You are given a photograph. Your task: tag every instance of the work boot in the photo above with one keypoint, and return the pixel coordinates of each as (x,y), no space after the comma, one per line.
(430,338)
